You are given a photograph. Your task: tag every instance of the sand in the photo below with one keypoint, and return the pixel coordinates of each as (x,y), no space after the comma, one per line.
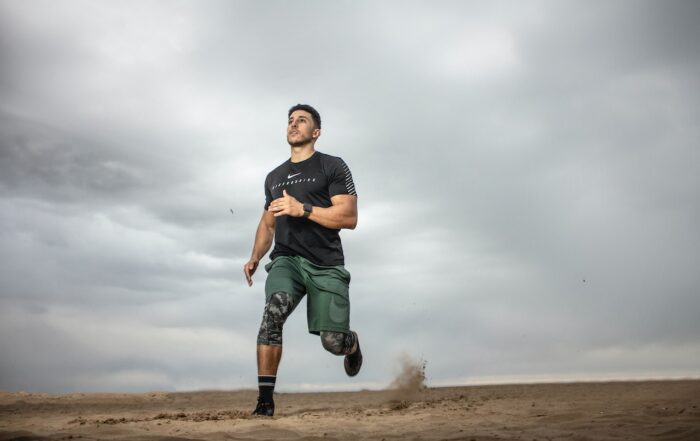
(652,410)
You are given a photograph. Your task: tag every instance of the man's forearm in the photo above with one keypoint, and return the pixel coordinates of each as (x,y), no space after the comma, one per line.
(336,217)
(263,241)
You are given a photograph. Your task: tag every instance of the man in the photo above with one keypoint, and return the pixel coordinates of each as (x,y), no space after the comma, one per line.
(308,199)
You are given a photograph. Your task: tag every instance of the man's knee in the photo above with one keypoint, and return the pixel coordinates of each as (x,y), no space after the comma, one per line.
(337,343)
(277,309)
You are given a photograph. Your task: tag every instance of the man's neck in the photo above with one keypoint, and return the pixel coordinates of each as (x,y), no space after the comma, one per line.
(302,152)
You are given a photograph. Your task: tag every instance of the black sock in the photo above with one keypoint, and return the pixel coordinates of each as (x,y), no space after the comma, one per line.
(266,385)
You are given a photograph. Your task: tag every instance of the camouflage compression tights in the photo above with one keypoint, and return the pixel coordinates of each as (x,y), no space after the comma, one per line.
(337,343)
(278,307)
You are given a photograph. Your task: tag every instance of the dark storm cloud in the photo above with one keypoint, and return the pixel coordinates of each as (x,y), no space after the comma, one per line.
(527,183)
(44,162)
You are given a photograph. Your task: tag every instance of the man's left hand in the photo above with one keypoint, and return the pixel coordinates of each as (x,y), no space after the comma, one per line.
(286,205)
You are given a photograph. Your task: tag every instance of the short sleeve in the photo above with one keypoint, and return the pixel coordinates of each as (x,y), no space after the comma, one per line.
(340,179)
(268,193)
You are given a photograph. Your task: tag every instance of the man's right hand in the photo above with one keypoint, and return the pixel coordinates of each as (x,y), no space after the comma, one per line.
(249,269)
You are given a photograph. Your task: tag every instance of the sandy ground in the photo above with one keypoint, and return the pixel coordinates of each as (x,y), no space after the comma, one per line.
(661,410)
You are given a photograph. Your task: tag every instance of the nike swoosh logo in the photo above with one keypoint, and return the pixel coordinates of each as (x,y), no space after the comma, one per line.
(291,176)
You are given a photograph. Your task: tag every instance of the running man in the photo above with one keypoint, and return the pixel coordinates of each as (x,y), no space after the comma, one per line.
(308,199)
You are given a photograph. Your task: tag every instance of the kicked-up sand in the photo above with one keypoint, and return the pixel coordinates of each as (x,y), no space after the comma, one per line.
(649,410)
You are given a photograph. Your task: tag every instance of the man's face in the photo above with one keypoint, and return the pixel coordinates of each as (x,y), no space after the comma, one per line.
(301,128)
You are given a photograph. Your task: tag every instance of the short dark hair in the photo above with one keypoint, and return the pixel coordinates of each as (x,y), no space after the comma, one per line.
(305,107)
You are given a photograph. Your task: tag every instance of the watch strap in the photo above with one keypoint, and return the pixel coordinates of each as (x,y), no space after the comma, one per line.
(307,209)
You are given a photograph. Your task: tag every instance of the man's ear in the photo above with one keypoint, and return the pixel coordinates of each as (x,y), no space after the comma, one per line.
(316,133)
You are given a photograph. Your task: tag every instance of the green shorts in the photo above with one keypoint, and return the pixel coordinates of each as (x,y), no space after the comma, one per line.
(328,303)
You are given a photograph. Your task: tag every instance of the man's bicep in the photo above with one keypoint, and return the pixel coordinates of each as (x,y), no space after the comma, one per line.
(347,201)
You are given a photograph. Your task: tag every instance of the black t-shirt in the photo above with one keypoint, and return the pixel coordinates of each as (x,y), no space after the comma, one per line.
(314,180)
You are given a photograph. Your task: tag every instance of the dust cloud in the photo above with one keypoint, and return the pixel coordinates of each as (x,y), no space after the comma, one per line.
(409,382)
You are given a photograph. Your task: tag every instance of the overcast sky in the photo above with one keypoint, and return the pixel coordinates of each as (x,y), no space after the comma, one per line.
(528,179)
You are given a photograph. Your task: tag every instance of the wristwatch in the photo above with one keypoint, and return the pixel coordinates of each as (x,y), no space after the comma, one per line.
(307,209)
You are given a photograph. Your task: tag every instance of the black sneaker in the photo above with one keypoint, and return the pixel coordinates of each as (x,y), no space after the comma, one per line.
(264,409)
(353,362)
